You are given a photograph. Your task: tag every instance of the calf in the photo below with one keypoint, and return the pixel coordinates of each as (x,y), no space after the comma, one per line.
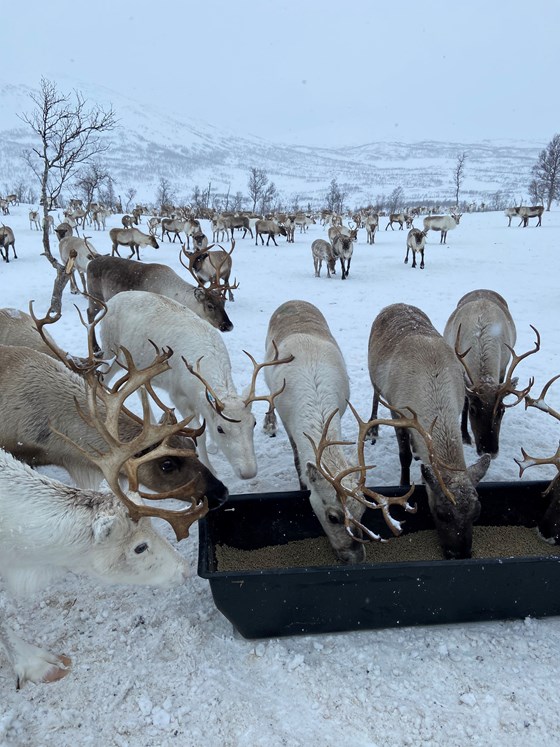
(415,242)
(322,250)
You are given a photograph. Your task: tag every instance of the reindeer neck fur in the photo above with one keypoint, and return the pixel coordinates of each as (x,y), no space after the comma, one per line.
(316,385)
(32,433)
(437,393)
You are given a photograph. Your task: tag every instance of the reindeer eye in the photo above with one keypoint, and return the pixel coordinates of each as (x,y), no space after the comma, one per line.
(220,429)
(333,517)
(142,547)
(168,465)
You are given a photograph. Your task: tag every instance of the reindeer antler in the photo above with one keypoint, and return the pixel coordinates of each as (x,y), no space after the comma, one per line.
(528,461)
(215,284)
(82,366)
(462,356)
(152,441)
(540,403)
(507,387)
(251,396)
(367,497)
(211,395)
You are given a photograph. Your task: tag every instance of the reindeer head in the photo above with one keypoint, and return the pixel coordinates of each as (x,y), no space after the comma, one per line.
(486,405)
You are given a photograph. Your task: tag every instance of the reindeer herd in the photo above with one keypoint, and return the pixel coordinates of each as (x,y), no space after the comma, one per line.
(147,327)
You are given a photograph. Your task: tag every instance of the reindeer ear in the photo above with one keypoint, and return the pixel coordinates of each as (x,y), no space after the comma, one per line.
(102,527)
(478,469)
(429,477)
(312,472)
(199,294)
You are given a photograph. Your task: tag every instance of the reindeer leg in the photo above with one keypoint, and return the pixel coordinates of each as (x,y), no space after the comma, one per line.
(464,423)
(405,453)
(373,432)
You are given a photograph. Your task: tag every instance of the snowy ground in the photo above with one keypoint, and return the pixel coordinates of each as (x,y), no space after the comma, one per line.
(158,668)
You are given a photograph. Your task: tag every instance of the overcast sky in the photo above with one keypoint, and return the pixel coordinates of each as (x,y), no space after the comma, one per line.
(308,71)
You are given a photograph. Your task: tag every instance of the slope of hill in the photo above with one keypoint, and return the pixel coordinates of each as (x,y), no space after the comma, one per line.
(149,144)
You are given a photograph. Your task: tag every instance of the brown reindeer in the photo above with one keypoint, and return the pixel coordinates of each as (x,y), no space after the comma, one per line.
(413,368)
(483,329)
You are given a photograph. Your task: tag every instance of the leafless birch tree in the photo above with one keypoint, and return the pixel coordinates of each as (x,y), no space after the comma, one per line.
(69,135)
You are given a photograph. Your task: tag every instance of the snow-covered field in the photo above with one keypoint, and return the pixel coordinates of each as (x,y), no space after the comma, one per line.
(155,668)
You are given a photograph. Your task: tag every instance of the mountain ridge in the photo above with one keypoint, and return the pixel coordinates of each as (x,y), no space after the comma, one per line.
(148,144)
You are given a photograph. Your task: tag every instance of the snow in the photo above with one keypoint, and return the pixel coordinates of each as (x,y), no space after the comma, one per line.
(158,667)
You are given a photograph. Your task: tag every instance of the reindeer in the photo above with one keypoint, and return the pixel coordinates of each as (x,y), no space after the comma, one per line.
(401,219)
(107,276)
(219,230)
(48,222)
(443,223)
(18,328)
(312,387)
(342,249)
(304,221)
(153,224)
(133,238)
(172,226)
(484,328)
(7,240)
(63,230)
(129,221)
(322,250)
(212,267)
(290,226)
(371,224)
(510,213)
(413,368)
(199,381)
(535,211)
(76,253)
(34,222)
(238,221)
(415,242)
(270,227)
(100,218)
(48,529)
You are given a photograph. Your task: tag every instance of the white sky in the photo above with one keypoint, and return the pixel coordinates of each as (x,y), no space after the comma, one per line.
(307,71)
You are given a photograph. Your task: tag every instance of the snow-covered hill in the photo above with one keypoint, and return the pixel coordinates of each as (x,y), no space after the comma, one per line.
(149,144)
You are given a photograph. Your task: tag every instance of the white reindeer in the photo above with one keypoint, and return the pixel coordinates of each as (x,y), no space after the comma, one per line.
(48,529)
(135,319)
(442,223)
(316,384)
(76,254)
(34,222)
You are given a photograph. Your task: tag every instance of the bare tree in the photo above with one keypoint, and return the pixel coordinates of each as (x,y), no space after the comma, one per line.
(459,174)
(269,195)
(238,201)
(165,194)
(335,197)
(69,136)
(396,199)
(546,173)
(256,185)
(90,180)
(130,194)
